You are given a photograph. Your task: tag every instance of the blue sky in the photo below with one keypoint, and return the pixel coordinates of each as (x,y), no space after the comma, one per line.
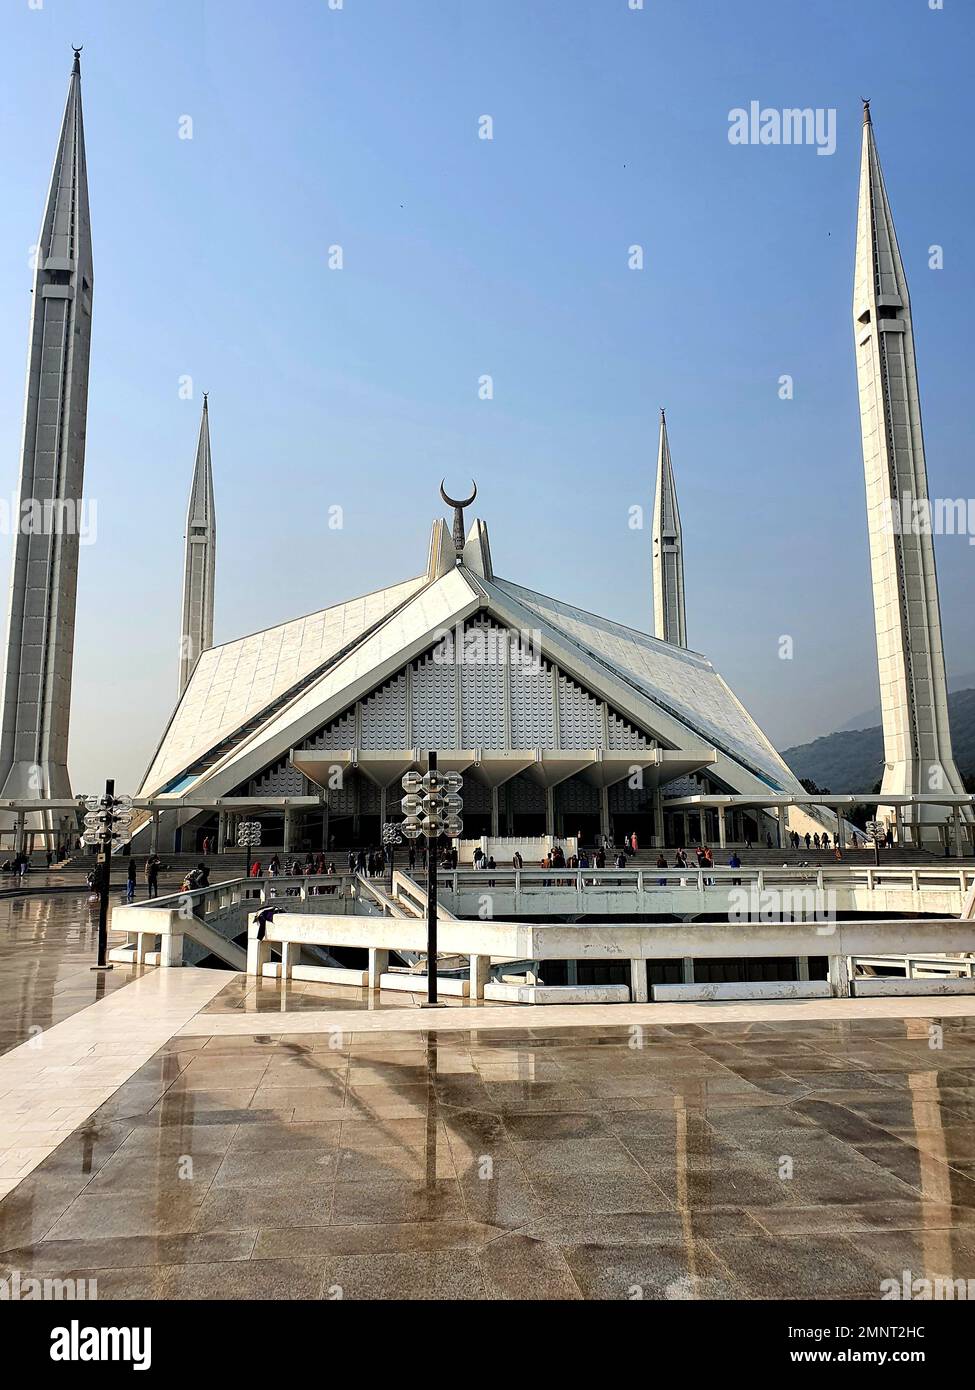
(358,388)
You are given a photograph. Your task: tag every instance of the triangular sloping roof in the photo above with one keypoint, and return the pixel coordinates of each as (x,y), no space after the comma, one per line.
(274,689)
(232,684)
(683,683)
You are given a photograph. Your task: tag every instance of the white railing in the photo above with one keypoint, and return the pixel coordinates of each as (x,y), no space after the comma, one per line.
(645,879)
(938,965)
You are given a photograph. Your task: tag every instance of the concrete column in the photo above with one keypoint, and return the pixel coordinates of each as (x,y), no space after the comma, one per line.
(686,822)
(549,810)
(658,840)
(171,948)
(722,830)
(154,834)
(495,812)
(783,827)
(639,990)
(840,828)
(287,830)
(604,812)
(221,831)
(258,952)
(378,964)
(382,810)
(839,977)
(959,844)
(290,954)
(898,825)
(480,974)
(687,970)
(19,834)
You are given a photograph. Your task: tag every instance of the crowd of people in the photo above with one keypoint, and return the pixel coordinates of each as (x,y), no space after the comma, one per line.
(374,863)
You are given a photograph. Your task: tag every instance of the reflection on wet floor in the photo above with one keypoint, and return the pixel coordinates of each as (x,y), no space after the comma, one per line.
(47,945)
(246,994)
(775,1160)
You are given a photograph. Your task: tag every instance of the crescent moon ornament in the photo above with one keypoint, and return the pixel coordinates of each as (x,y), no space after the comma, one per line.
(458,529)
(452,502)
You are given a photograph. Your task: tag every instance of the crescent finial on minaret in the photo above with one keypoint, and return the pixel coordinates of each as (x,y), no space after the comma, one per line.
(867,118)
(458,529)
(77,58)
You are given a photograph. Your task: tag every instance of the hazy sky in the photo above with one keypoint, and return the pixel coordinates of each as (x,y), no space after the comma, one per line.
(314,127)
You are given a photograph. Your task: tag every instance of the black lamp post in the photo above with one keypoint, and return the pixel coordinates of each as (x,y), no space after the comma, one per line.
(107,816)
(432,807)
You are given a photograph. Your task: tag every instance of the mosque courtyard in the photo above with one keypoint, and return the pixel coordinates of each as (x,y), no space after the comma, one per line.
(197,1134)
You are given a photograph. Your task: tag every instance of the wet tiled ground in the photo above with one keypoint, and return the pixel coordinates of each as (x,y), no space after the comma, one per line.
(47,945)
(247,994)
(773,1160)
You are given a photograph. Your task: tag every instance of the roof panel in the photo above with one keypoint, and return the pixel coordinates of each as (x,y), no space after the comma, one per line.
(682,682)
(233,683)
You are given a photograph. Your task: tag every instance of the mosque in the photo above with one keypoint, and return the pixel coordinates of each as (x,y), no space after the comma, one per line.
(562,722)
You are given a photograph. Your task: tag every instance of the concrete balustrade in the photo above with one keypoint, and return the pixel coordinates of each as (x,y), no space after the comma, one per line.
(636,943)
(361,914)
(680,892)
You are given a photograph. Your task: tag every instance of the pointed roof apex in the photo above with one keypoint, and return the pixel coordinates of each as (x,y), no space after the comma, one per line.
(663,415)
(205,394)
(76,69)
(867,120)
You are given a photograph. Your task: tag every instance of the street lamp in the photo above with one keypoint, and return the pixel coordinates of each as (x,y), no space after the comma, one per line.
(877,832)
(392,836)
(248,837)
(106,820)
(432,807)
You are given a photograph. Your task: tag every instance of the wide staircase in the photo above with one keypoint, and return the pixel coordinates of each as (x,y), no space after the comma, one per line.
(900,856)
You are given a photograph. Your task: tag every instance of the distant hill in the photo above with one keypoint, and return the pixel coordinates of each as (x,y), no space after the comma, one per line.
(852,760)
(871,717)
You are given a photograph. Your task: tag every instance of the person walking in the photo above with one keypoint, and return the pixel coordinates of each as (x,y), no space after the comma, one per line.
(734,863)
(708,864)
(130,881)
(152,875)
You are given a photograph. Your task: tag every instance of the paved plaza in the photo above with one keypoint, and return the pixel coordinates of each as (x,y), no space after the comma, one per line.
(230,1142)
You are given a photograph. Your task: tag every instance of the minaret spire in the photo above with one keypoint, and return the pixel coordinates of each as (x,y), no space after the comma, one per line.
(913,689)
(196,629)
(668,558)
(44,575)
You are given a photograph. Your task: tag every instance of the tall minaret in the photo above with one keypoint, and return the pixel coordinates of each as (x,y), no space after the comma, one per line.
(196,629)
(44,577)
(913,690)
(668,558)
